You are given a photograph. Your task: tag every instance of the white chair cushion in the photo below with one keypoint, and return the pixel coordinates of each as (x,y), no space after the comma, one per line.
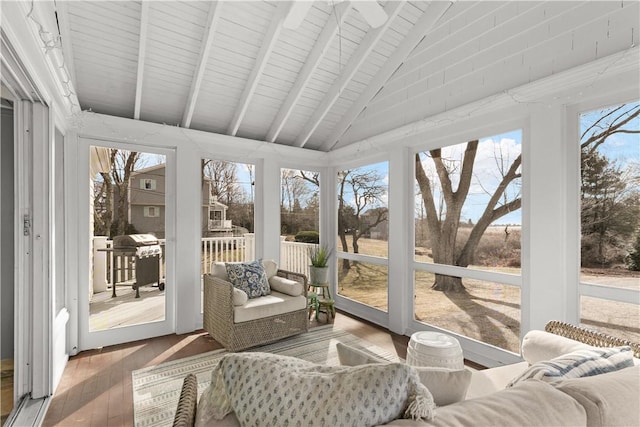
(240,297)
(270,267)
(286,286)
(219,270)
(269,305)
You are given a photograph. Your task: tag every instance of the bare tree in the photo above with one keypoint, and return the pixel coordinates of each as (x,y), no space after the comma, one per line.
(443,228)
(223,178)
(366,190)
(123,164)
(610,199)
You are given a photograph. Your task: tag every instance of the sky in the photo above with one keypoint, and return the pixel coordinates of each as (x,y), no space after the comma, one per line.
(493,151)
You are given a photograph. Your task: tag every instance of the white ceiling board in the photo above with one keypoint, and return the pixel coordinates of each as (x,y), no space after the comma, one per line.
(269,41)
(479,49)
(566,38)
(142,46)
(355,61)
(316,53)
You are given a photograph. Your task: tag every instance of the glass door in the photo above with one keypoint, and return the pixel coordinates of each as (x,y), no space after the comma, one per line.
(129,291)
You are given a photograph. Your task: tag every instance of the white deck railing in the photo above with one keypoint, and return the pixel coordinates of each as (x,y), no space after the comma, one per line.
(121,268)
(294,256)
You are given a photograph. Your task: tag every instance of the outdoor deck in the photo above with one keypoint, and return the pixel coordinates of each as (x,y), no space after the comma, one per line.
(106,312)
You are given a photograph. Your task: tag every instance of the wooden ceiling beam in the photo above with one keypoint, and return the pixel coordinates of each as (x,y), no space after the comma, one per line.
(430,17)
(205,48)
(270,39)
(370,40)
(142,48)
(318,52)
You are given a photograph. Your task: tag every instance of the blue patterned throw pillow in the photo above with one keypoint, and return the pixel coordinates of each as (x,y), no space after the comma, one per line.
(249,277)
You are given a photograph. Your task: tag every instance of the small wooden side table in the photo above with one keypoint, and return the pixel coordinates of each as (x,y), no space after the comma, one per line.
(325,303)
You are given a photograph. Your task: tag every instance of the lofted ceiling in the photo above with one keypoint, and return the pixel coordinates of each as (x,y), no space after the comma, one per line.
(233,68)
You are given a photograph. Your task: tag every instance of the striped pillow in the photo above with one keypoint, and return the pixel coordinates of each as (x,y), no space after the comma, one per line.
(580,363)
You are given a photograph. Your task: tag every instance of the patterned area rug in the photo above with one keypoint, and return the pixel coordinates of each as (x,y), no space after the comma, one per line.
(156,389)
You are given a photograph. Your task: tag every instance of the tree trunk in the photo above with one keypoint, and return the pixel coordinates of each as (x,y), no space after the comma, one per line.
(448,284)
(108,202)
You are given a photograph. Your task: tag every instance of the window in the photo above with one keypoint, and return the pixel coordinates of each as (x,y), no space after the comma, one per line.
(468,217)
(148,184)
(610,219)
(299,218)
(151,211)
(227,212)
(363,234)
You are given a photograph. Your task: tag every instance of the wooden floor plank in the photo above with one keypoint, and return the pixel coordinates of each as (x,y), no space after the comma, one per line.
(96,388)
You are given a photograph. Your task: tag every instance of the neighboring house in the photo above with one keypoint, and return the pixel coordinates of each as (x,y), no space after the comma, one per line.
(214,213)
(146,212)
(381,230)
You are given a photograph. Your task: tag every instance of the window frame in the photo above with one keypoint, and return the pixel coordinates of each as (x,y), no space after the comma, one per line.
(574,235)
(480,351)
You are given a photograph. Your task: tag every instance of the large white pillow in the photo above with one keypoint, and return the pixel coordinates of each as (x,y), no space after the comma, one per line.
(267,390)
(446,386)
(541,345)
(577,364)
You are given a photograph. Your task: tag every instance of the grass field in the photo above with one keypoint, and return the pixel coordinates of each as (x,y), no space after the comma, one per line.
(488,312)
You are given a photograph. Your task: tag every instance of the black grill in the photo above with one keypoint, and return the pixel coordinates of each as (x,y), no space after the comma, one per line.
(147,254)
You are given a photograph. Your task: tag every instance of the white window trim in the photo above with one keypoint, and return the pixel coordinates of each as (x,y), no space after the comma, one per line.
(574,236)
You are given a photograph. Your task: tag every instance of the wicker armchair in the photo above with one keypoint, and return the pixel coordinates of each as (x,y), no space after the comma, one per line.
(219,316)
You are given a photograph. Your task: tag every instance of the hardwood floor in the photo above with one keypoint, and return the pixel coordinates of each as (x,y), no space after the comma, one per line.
(96,390)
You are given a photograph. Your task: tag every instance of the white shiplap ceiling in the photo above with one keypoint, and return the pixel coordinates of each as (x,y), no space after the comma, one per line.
(232,67)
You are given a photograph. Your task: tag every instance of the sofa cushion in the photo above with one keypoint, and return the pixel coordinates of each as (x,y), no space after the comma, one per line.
(266,389)
(269,305)
(447,386)
(609,399)
(489,381)
(580,363)
(286,286)
(249,277)
(531,403)
(540,345)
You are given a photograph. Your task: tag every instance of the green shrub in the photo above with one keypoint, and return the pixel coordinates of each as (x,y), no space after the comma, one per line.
(308,237)
(633,258)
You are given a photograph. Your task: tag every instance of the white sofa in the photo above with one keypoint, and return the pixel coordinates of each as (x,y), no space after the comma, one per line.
(611,399)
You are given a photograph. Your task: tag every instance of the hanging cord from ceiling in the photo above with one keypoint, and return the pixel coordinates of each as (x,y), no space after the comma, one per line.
(50,43)
(335,14)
